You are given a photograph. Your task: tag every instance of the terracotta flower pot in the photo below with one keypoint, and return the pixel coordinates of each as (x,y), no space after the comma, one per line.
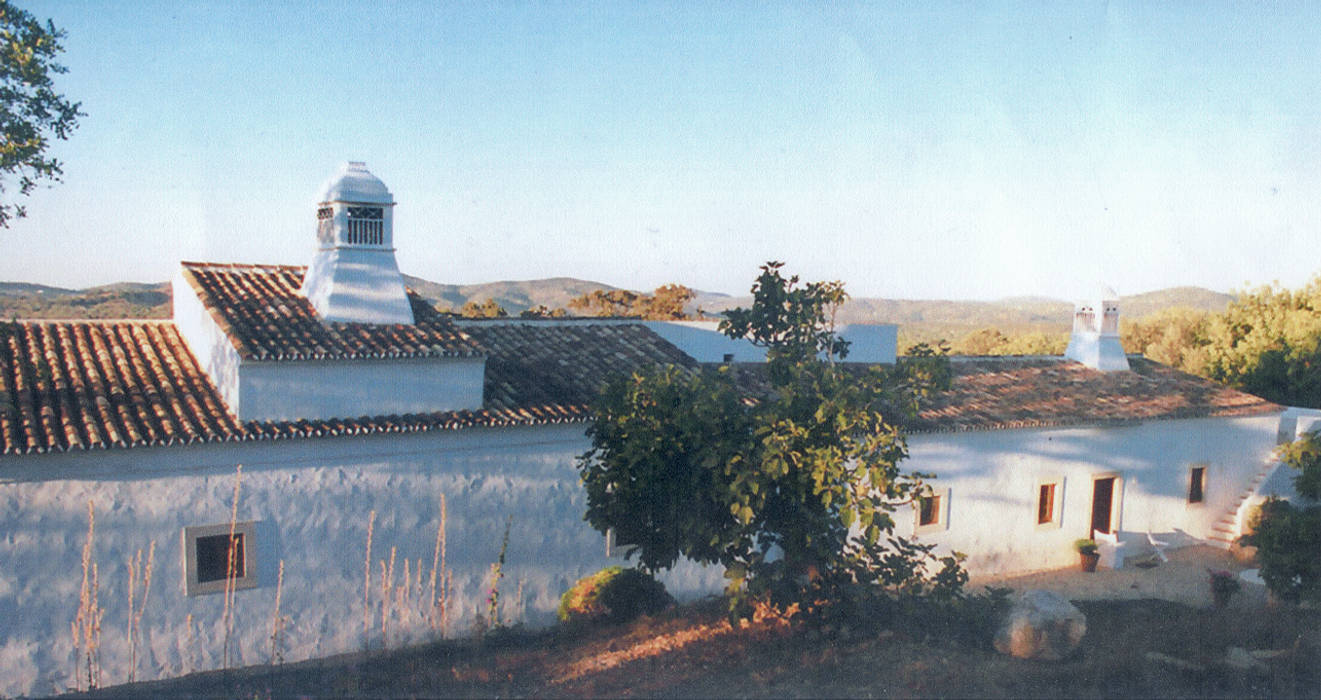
(1087,561)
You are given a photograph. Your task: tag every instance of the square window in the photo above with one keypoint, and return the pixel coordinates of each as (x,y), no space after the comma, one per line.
(1046,504)
(213,555)
(1197,484)
(207,557)
(928,511)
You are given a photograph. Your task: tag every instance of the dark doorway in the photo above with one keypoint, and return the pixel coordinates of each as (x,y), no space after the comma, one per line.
(1103,494)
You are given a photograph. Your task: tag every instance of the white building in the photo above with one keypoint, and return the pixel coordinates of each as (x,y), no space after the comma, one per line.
(353,408)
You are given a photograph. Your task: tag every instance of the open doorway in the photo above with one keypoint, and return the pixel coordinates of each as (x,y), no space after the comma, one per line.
(1103,500)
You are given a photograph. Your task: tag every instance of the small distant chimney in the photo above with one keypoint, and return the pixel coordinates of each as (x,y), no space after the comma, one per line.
(1095,339)
(354,275)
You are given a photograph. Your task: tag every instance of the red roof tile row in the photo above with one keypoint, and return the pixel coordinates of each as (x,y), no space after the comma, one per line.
(88,385)
(68,385)
(1001,393)
(266,316)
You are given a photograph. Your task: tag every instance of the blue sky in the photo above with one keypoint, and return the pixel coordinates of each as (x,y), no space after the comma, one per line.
(918,151)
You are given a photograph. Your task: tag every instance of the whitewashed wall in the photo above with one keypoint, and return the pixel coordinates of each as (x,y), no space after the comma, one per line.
(319,389)
(992,479)
(211,346)
(311,500)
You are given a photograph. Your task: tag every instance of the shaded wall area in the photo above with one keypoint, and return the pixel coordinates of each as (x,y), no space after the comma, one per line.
(991,480)
(311,501)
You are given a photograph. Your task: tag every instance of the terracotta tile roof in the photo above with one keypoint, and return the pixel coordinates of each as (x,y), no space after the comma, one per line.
(87,385)
(546,363)
(266,317)
(70,385)
(999,393)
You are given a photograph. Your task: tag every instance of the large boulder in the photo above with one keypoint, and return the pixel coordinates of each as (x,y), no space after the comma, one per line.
(1041,625)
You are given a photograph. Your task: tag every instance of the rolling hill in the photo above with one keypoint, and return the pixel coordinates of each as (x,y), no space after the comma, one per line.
(918,319)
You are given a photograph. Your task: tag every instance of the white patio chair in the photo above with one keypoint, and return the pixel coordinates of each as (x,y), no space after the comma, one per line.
(1158,545)
(1109,547)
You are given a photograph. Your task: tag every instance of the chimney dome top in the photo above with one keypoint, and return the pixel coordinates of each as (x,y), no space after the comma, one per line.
(354,183)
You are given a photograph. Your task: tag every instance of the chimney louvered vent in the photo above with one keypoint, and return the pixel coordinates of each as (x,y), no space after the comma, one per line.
(354,275)
(1095,338)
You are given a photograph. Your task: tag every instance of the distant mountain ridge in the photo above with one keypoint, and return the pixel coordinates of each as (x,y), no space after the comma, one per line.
(513,295)
(918,319)
(118,300)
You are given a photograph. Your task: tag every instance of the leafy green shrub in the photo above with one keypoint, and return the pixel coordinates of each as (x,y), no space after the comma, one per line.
(1304,454)
(1286,540)
(613,594)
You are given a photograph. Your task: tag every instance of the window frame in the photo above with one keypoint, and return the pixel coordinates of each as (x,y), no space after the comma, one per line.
(941,512)
(1203,470)
(248,530)
(1056,520)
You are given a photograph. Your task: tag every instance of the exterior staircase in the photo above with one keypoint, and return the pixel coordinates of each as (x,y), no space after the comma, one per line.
(1226,530)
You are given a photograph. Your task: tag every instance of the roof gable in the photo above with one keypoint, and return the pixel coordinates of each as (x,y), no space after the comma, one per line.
(91,385)
(266,317)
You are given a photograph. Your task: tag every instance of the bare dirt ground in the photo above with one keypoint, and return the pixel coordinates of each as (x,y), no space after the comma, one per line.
(1151,632)
(1182,579)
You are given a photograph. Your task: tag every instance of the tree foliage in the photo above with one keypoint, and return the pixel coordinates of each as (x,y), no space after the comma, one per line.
(1286,539)
(1286,535)
(486,309)
(790,485)
(542,311)
(1304,455)
(1269,343)
(31,112)
(666,303)
(991,341)
(1176,337)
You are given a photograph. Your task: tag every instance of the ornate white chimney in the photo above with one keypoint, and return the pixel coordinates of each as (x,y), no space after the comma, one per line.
(354,275)
(1095,339)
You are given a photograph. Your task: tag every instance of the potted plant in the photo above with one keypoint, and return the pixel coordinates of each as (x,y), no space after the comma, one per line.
(1224,584)
(1087,556)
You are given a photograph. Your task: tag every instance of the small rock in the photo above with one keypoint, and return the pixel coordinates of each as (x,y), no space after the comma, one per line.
(1263,654)
(1173,661)
(1242,659)
(1041,625)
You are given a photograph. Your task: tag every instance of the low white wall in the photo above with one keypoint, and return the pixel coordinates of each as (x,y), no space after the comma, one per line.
(703,341)
(319,389)
(214,351)
(311,501)
(993,477)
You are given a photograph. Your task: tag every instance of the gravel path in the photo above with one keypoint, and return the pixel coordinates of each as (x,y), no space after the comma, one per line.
(1183,579)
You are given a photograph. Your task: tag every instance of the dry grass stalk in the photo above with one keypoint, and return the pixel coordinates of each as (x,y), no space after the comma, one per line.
(446,587)
(189,639)
(134,562)
(277,621)
(497,574)
(519,606)
(231,566)
(94,631)
(438,572)
(402,594)
(137,573)
(86,626)
(367,584)
(387,588)
(146,586)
